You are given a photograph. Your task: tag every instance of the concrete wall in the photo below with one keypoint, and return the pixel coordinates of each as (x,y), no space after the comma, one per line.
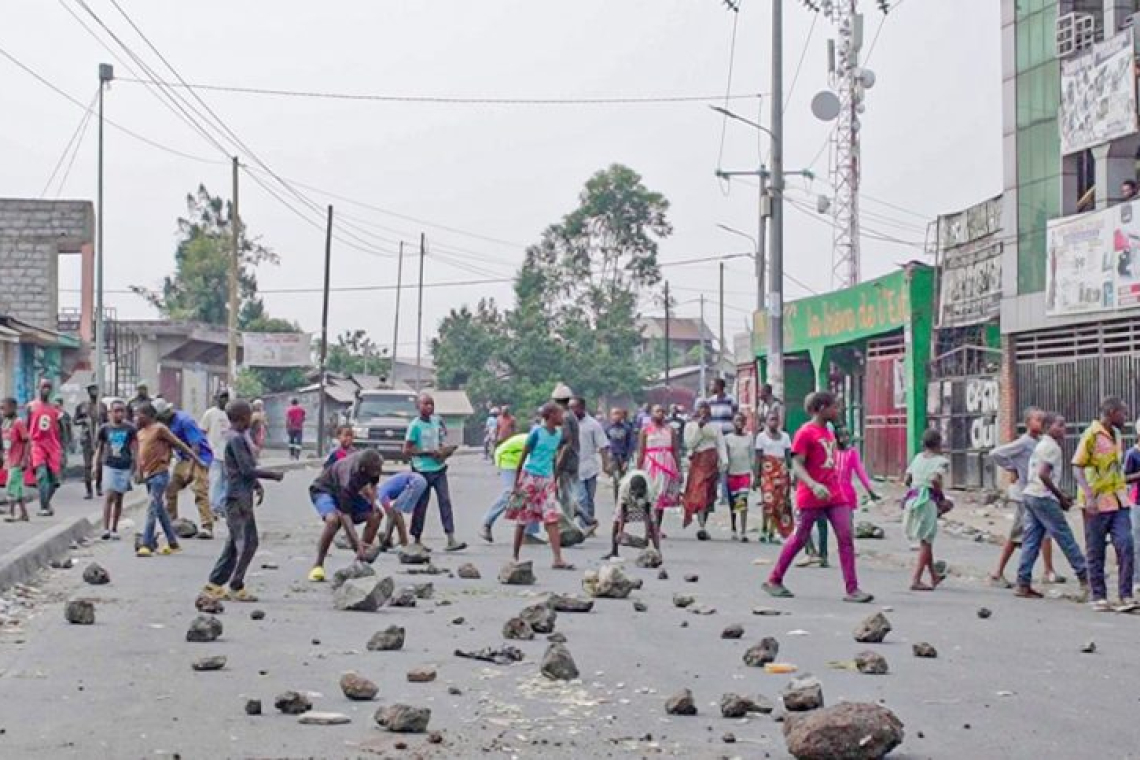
(32,235)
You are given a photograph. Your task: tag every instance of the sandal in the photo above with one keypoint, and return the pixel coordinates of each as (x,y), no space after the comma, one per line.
(562,566)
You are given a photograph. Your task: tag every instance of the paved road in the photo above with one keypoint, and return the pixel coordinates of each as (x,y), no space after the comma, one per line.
(1013,686)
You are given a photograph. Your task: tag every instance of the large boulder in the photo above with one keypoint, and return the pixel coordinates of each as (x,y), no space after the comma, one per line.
(569,533)
(357,687)
(873,629)
(415,554)
(204,629)
(293,703)
(803,694)
(388,640)
(681,703)
(650,558)
(871,663)
(356,570)
(759,655)
(517,629)
(363,594)
(558,664)
(847,731)
(561,603)
(79,612)
(609,582)
(541,617)
(403,719)
(517,574)
(96,574)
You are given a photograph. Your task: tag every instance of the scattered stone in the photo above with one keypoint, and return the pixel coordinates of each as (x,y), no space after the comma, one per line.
(684,623)
(64,564)
(855,730)
(640,607)
(210,605)
(414,554)
(96,574)
(217,662)
(692,578)
(803,694)
(422,674)
(609,582)
(662,574)
(428,569)
(406,598)
(873,629)
(435,737)
(517,574)
(504,655)
(468,572)
(316,642)
(357,687)
(403,719)
(736,706)
(424,590)
(443,603)
(459,620)
(455,691)
(729,738)
(556,638)
(253,707)
(354,571)
(372,553)
(540,617)
(270,566)
(204,628)
(324,719)
(570,534)
(649,558)
(922,649)
(292,703)
(185,528)
(633,542)
(257,615)
(984,612)
(79,612)
(767,611)
(683,600)
(702,610)
(558,664)
(871,664)
(517,629)
(562,603)
(1089,647)
(681,703)
(734,631)
(388,640)
(363,594)
(759,655)
(869,530)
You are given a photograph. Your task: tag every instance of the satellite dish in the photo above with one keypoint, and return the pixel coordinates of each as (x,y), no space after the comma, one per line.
(825,105)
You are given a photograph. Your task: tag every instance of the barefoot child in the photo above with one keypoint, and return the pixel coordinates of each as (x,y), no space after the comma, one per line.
(17,456)
(535,498)
(345,496)
(156,446)
(634,503)
(850,466)
(116,448)
(922,504)
(739,447)
(243,483)
(773,456)
(398,496)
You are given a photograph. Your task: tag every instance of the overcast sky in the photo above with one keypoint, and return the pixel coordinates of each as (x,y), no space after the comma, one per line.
(931,134)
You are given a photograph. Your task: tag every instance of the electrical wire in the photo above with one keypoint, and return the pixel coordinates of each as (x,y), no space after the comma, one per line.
(76,136)
(343,289)
(727,89)
(875,39)
(800,63)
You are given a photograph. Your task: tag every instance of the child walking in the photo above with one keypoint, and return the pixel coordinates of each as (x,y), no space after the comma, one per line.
(773,453)
(17,456)
(243,483)
(634,503)
(818,494)
(659,455)
(116,449)
(739,446)
(344,496)
(535,498)
(155,449)
(924,504)
(850,466)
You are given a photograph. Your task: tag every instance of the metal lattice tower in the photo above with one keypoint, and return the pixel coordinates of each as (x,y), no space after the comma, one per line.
(848,83)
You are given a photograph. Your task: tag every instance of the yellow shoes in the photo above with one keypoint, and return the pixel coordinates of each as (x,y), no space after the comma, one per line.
(317,574)
(213,591)
(241,596)
(143,551)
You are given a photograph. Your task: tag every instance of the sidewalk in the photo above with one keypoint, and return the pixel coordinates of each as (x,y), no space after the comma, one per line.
(27,547)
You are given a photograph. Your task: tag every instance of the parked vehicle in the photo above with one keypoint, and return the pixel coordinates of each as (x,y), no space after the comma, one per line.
(379,420)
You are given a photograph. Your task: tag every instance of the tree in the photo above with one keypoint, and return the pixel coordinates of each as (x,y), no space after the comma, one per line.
(576,304)
(354,353)
(202,263)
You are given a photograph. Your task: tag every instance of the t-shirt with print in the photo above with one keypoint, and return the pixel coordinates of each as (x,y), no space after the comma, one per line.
(773,445)
(1047,451)
(15,442)
(1100,454)
(816,445)
(1132,466)
(543,445)
(116,441)
(426,435)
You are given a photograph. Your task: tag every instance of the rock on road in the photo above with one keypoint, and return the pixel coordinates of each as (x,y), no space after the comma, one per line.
(1015,685)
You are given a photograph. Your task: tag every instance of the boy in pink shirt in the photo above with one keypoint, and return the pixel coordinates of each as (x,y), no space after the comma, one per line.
(819,493)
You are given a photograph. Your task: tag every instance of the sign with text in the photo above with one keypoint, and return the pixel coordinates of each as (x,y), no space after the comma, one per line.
(1094,261)
(1098,95)
(971,264)
(276,349)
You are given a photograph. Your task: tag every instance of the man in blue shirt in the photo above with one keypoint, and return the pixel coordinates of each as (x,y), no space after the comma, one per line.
(187,472)
(425,445)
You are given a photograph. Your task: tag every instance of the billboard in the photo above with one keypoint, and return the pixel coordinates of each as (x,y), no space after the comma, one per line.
(276,349)
(1098,95)
(1094,261)
(970,252)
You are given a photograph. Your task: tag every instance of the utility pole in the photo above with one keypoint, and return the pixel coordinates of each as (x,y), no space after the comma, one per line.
(324,338)
(396,329)
(722,352)
(762,241)
(235,225)
(776,260)
(106,75)
(420,313)
(667,346)
(701,336)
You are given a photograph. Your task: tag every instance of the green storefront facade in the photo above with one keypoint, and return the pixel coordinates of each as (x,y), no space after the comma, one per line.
(871,345)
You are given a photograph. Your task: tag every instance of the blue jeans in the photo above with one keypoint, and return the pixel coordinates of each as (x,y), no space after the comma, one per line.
(507,480)
(156,489)
(218,486)
(1044,517)
(587,489)
(1118,526)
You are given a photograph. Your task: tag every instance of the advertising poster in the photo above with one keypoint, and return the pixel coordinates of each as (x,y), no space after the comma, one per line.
(1098,95)
(1094,261)
(276,349)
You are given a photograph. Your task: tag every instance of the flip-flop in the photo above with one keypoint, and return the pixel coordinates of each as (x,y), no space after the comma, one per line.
(456,547)
(563,566)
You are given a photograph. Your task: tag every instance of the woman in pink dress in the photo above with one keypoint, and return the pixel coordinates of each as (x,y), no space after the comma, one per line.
(659,459)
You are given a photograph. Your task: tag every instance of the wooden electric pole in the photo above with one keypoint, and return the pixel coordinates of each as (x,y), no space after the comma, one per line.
(420,313)
(324,339)
(235,265)
(396,320)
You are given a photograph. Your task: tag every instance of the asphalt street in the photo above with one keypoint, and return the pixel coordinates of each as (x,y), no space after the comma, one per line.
(1015,685)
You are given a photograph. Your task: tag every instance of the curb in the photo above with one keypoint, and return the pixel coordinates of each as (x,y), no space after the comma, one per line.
(22,563)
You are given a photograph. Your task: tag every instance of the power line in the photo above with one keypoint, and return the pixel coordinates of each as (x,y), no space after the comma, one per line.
(728,87)
(76,136)
(448,99)
(800,63)
(345,289)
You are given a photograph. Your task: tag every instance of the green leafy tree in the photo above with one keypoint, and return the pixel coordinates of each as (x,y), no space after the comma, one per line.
(355,353)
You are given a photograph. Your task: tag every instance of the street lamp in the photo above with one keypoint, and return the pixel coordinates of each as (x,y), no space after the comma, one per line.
(106,75)
(757,244)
